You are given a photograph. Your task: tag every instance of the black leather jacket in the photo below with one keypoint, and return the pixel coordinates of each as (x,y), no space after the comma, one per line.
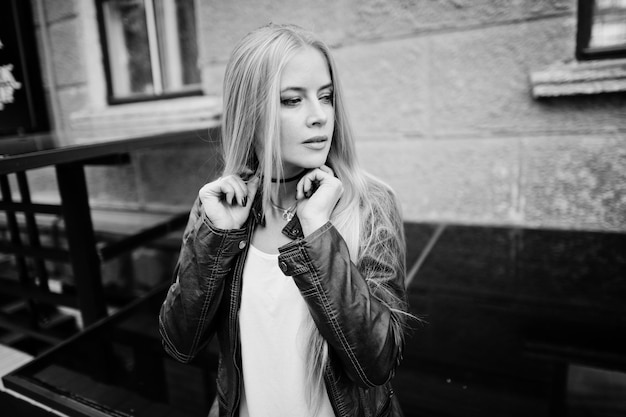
(350,305)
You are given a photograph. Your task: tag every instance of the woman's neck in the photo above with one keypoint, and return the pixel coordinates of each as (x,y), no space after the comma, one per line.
(289,178)
(283,190)
(284,194)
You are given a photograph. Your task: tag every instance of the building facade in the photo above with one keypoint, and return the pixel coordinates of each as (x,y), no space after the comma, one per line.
(476,112)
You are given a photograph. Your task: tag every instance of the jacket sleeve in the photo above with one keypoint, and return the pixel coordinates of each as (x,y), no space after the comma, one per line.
(186,318)
(359,310)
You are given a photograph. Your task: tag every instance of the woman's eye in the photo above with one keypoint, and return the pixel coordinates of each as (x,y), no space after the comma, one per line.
(290,101)
(327,98)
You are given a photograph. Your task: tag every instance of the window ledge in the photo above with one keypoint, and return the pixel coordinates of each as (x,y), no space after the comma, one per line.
(575,78)
(124,120)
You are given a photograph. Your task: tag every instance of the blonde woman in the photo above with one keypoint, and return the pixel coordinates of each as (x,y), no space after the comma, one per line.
(294,257)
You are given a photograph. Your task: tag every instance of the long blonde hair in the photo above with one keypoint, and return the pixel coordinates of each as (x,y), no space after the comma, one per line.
(251,125)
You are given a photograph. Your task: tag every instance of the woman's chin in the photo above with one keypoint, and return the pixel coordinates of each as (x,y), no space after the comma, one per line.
(312,163)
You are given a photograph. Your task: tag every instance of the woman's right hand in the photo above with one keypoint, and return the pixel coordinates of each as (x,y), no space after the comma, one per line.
(227,200)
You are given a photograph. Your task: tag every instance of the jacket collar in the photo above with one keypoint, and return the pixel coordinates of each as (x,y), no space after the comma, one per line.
(293,228)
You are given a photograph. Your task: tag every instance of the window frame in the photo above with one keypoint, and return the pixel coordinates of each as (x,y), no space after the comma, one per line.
(583,37)
(27,113)
(112,99)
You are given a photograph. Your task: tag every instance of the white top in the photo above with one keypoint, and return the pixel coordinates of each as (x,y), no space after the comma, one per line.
(273,342)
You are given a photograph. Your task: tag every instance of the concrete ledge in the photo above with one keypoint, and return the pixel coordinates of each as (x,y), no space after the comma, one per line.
(576,78)
(124,120)
(10,360)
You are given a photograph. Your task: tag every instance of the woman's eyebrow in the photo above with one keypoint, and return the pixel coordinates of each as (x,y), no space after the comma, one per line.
(302,89)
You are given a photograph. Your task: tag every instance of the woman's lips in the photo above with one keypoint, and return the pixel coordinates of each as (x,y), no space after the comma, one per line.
(316,142)
(315,139)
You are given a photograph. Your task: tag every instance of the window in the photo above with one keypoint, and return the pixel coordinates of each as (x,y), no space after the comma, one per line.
(22,98)
(601,29)
(150,49)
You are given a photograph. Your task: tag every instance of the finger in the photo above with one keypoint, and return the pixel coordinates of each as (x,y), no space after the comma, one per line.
(304,186)
(251,188)
(327,169)
(212,188)
(300,189)
(227,191)
(237,187)
(241,191)
(311,181)
(307,185)
(206,189)
(246,174)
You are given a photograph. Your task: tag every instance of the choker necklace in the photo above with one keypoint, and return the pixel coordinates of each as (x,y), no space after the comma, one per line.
(286,213)
(294,178)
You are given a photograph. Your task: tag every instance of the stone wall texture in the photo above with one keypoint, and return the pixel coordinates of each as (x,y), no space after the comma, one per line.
(441,103)
(440,99)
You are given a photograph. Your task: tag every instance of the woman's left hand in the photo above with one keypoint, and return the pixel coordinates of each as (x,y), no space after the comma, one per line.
(315,205)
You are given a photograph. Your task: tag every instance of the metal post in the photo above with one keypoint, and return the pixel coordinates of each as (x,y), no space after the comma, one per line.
(16,241)
(32,229)
(81,241)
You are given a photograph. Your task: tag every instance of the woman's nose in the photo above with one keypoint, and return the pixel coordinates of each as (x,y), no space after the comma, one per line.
(316,115)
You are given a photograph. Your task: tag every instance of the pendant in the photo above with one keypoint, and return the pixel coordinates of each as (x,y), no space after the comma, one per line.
(287,215)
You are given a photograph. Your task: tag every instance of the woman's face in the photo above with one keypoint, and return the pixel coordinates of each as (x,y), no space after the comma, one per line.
(307,115)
